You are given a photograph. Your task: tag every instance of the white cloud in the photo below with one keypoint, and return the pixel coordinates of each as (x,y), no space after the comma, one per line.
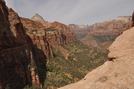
(73,11)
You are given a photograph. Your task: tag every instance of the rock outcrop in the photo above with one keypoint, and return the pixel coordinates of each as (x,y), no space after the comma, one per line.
(17,56)
(118,72)
(21,54)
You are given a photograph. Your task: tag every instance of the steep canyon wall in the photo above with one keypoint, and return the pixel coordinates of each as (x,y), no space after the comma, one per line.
(25,46)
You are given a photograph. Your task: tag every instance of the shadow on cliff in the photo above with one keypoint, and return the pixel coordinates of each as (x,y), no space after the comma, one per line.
(17,52)
(16,57)
(40,60)
(14,65)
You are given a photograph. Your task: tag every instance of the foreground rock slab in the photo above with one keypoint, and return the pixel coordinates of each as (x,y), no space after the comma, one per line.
(115,74)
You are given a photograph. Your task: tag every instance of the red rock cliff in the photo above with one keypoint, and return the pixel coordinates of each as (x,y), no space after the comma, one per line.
(103,34)
(25,45)
(57,33)
(36,31)
(19,58)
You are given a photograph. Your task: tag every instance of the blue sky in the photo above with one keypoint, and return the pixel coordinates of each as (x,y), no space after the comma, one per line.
(80,12)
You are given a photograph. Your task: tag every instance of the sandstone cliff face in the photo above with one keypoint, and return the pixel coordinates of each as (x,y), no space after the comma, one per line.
(36,31)
(19,58)
(25,46)
(60,34)
(115,74)
(56,33)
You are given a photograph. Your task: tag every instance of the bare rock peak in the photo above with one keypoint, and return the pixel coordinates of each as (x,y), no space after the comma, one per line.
(37,18)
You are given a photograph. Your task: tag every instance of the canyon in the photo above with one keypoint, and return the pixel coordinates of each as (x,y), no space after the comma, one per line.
(37,54)
(117,73)
(102,34)
(25,47)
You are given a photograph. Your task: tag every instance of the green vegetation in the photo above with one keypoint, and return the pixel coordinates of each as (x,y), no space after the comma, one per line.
(81,60)
(80,36)
(104,38)
(61,71)
(51,29)
(31,87)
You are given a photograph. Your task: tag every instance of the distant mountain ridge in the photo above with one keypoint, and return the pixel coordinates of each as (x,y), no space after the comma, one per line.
(102,34)
(118,23)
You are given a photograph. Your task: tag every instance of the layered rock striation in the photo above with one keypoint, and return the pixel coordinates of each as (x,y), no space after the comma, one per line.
(36,32)
(60,34)
(57,33)
(118,72)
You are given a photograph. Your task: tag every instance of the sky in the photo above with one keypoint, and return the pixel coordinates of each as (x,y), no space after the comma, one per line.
(79,12)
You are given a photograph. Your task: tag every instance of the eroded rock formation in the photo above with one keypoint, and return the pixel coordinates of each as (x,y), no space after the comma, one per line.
(57,33)
(17,55)
(114,74)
